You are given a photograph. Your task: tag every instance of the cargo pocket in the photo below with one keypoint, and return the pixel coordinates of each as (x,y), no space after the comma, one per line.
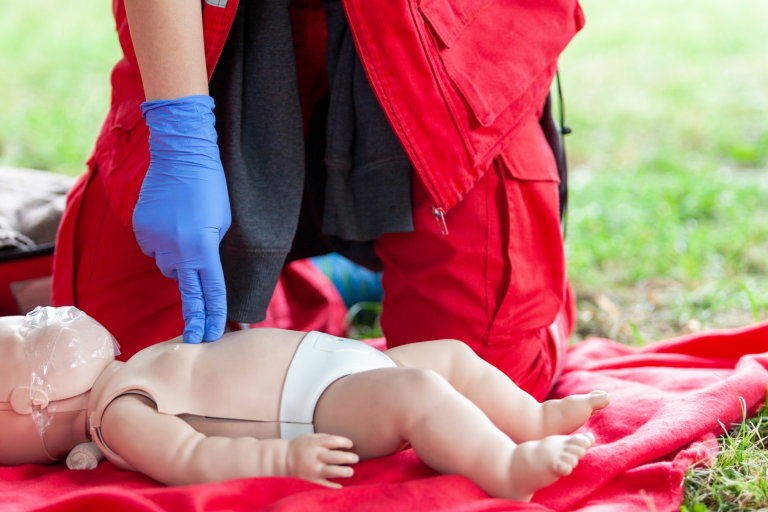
(494,52)
(529,278)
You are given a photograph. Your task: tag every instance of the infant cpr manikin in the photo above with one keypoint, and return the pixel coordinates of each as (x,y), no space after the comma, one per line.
(270,402)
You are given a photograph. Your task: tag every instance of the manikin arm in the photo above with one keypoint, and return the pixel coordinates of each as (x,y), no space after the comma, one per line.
(167,449)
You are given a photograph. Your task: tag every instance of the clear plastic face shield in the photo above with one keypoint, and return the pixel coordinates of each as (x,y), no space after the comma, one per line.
(66,350)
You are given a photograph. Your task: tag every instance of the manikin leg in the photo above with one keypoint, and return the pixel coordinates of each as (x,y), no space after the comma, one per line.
(380,410)
(513,411)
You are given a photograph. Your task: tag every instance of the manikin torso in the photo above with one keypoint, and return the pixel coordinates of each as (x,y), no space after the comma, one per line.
(211,385)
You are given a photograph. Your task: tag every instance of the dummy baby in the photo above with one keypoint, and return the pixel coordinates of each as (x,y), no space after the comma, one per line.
(269,402)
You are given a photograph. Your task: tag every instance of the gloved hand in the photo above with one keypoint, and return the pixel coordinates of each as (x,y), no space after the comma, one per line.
(183,209)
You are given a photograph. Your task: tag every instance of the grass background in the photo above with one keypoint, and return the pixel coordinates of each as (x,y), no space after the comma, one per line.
(669,197)
(668,222)
(55,60)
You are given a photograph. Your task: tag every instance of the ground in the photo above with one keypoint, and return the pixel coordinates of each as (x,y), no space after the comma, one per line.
(668,218)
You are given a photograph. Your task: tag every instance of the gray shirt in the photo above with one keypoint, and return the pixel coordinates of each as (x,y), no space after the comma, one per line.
(258,119)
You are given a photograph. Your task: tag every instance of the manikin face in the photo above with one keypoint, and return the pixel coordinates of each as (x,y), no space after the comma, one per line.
(46,358)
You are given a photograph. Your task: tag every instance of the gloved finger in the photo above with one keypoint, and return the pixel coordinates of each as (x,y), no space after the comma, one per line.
(193,306)
(215,295)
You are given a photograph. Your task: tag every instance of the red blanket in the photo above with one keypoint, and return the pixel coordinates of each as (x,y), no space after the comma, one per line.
(668,401)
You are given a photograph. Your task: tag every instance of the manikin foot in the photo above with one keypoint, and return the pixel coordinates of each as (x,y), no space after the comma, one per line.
(537,464)
(567,415)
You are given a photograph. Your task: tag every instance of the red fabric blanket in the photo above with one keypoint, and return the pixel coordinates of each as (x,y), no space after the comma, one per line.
(668,401)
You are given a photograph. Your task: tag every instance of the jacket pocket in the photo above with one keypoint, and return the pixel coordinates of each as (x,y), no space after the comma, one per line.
(531,272)
(495,51)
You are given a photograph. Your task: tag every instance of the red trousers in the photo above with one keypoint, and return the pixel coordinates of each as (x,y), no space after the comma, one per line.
(496,281)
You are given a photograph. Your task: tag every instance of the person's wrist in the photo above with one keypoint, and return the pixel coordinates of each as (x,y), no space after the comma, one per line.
(187,116)
(182,130)
(183,104)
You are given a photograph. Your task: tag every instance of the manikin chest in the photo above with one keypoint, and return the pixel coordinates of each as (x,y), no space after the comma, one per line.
(239,377)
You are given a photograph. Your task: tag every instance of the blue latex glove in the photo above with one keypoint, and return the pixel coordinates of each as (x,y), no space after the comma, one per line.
(183,209)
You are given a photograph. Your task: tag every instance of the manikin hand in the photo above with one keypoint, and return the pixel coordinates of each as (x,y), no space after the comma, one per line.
(317,457)
(183,209)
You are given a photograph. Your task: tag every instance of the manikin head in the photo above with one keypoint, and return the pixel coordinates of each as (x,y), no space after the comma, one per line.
(49,361)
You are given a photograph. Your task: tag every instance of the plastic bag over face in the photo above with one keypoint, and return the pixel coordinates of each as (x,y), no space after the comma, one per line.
(62,345)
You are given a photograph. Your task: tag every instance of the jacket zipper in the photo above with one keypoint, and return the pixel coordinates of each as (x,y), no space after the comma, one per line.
(439,214)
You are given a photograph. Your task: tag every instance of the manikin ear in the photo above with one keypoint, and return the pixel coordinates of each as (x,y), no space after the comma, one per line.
(23,399)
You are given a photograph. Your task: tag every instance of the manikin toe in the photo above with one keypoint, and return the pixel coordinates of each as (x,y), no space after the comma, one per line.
(188,414)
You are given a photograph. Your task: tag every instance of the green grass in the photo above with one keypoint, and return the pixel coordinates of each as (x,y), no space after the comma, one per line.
(738,477)
(668,222)
(55,59)
(669,197)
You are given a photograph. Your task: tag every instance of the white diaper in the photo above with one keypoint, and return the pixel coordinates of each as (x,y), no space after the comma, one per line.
(319,361)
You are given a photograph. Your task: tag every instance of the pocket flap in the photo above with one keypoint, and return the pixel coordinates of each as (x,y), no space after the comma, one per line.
(496,52)
(449,17)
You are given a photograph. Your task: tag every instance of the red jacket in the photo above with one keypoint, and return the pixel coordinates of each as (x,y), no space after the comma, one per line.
(455,78)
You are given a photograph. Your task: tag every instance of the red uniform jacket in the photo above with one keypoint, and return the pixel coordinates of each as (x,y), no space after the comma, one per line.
(454,77)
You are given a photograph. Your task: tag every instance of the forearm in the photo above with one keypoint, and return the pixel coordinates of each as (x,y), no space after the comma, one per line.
(215,459)
(167,449)
(167,37)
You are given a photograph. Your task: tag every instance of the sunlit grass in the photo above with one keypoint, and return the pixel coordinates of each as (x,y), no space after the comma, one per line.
(669,198)
(738,477)
(55,59)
